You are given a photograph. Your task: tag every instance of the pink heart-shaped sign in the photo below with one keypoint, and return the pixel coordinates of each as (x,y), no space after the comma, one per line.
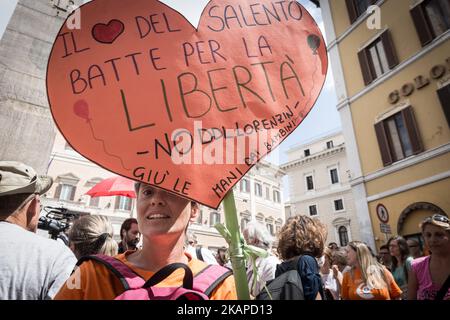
(188,110)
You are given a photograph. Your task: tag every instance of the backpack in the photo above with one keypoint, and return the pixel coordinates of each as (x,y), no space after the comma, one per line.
(287,286)
(199,287)
(198,252)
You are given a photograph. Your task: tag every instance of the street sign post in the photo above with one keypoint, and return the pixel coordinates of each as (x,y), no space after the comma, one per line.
(382,213)
(385,228)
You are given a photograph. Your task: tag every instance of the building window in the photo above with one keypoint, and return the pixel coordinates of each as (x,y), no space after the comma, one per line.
(357,8)
(267,193)
(343,236)
(258,189)
(214,218)
(276,196)
(313,210)
(277,229)
(338,205)
(123,203)
(444,97)
(330,144)
(270,228)
(377,58)
(245,185)
(244,222)
(94,201)
(398,137)
(309,183)
(431,19)
(334,176)
(65,192)
(260,217)
(199,219)
(307,152)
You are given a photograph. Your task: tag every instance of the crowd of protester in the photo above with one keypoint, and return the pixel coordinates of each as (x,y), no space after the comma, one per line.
(32,267)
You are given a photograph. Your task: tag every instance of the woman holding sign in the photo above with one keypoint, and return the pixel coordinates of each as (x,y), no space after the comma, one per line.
(162,219)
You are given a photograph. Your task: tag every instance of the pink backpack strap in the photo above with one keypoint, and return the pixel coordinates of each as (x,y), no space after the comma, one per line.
(210,278)
(128,278)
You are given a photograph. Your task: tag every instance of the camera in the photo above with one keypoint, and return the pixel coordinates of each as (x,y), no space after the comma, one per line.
(56,221)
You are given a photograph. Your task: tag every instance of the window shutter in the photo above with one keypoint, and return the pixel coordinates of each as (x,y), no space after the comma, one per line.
(352,13)
(422,27)
(129,203)
(383,144)
(94,201)
(58,191)
(444,97)
(72,193)
(413,131)
(389,49)
(116,205)
(365,66)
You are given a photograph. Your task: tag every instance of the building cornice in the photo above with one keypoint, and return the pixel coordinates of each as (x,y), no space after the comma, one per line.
(354,25)
(322,194)
(403,164)
(329,134)
(413,185)
(314,157)
(443,38)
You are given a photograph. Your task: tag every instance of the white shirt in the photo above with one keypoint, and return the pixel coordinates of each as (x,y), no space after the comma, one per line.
(330,283)
(207,255)
(266,268)
(31,267)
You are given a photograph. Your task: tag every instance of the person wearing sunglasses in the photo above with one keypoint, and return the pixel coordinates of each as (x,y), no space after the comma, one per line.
(429,278)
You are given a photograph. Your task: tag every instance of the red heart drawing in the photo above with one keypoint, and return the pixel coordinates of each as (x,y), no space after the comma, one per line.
(107,33)
(188,110)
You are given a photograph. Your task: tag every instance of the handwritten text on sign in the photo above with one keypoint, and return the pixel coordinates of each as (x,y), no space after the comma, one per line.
(138,90)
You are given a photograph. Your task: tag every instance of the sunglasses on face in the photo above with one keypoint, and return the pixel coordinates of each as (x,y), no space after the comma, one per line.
(440,218)
(437,218)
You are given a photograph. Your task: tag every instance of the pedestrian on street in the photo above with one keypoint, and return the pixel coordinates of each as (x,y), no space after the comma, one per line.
(92,235)
(429,278)
(129,235)
(31,267)
(367,279)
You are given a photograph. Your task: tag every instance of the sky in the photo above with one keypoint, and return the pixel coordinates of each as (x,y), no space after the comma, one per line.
(323,119)
(6,10)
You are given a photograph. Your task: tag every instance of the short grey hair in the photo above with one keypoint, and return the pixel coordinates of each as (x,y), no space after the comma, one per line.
(257,234)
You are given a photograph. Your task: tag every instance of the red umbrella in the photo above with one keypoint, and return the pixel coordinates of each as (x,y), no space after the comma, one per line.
(114,186)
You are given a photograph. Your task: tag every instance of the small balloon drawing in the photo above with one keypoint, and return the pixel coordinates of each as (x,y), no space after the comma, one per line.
(81,109)
(314,43)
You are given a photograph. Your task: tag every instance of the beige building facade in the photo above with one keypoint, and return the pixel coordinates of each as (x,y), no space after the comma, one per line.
(319,186)
(391,66)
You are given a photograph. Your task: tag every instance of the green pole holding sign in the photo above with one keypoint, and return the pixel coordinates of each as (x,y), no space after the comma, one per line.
(236,251)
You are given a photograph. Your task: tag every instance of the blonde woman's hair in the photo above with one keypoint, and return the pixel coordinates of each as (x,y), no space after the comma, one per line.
(372,272)
(93,235)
